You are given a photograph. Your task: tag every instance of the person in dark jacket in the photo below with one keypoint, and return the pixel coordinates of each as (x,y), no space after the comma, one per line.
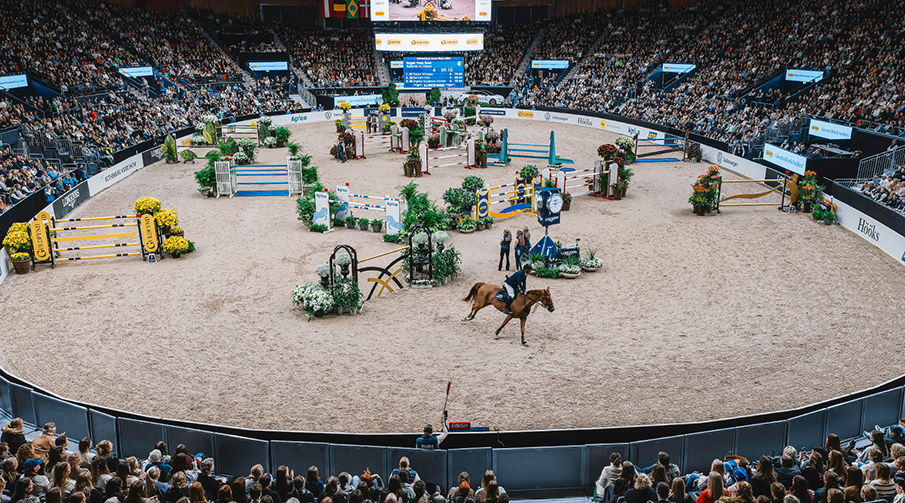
(14,434)
(642,492)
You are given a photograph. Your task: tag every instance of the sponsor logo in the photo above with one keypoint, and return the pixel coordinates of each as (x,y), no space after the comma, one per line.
(768,153)
(585,122)
(328,115)
(547,116)
(903,257)
(421,42)
(121,171)
(557,118)
(602,124)
(632,131)
(526,115)
(815,128)
(651,135)
(868,229)
(394,42)
(156,154)
(71,198)
(482,14)
(380,13)
(486,111)
(472,41)
(300,118)
(725,160)
(449,42)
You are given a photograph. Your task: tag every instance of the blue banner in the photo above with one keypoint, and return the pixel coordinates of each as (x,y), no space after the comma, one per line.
(549,64)
(490,111)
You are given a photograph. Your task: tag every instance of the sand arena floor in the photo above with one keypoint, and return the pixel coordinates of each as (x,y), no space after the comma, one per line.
(692,318)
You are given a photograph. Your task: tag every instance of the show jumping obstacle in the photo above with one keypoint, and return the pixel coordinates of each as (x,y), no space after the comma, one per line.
(789,184)
(597,181)
(519,199)
(666,145)
(46,238)
(467,158)
(547,152)
(259,175)
(391,208)
(397,141)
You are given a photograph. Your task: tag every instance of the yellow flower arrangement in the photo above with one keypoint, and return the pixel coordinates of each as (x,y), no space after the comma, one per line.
(19,257)
(384,108)
(17,241)
(344,106)
(166,218)
(19,226)
(177,231)
(176,245)
(147,206)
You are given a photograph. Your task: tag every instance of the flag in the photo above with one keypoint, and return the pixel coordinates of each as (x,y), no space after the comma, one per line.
(326,8)
(352,9)
(339,8)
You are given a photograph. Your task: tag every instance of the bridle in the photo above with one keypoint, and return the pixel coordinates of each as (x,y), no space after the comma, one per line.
(540,301)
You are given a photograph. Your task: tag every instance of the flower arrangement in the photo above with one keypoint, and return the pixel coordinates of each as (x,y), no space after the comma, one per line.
(591,260)
(606,150)
(323,270)
(566,197)
(492,136)
(17,241)
(473,183)
(270,142)
(459,200)
(20,257)
(433,141)
(624,143)
(147,206)
(569,268)
(176,245)
(177,231)
(420,238)
(480,148)
(384,108)
(467,225)
(345,107)
(825,211)
(339,126)
(198,139)
(528,172)
(808,190)
(412,166)
(705,188)
(450,115)
(410,124)
(346,295)
(486,120)
(313,298)
(342,258)
(166,218)
(439,237)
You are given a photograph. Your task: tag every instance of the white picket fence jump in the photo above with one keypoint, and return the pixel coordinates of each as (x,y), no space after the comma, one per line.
(467,158)
(397,140)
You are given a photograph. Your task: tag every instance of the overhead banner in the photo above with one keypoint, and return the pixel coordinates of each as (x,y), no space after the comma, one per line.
(13,81)
(785,159)
(829,131)
(803,75)
(137,71)
(549,64)
(268,66)
(453,10)
(677,68)
(358,101)
(429,42)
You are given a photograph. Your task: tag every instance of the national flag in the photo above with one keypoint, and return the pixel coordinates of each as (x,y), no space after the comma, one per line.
(339,8)
(352,9)
(326,7)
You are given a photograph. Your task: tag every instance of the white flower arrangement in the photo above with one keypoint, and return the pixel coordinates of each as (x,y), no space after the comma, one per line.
(570,269)
(240,158)
(267,121)
(198,139)
(625,143)
(440,237)
(343,258)
(314,300)
(420,238)
(270,142)
(322,270)
(199,127)
(208,119)
(591,262)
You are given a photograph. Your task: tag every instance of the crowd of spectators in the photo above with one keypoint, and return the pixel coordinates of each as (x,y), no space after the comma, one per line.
(335,58)
(49,470)
(21,177)
(504,48)
(888,190)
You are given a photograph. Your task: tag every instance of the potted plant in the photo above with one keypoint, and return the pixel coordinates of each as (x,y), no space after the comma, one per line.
(550,273)
(305,208)
(294,149)
(347,298)
(339,126)
(570,267)
(176,246)
(467,225)
(619,189)
(591,263)
(18,245)
(433,141)
(321,228)
(488,222)
(606,150)
(314,299)
(825,212)
(376,225)
(528,172)
(339,221)
(566,201)
(351,222)
(479,224)
(809,193)
(363,223)
(412,166)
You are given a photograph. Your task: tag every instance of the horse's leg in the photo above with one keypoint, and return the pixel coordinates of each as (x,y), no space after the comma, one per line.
(497,333)
(523,330)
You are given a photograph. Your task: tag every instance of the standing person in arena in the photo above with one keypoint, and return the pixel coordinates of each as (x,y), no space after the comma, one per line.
(519,246)
(429,440)
(505,244)
(341,149)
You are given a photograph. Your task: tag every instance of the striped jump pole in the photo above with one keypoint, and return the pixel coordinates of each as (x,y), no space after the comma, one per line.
(519,199)
(90,219)
(397,140)
(391,207)
(468,158)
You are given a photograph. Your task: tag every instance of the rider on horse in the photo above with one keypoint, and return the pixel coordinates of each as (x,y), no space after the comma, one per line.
(514,284)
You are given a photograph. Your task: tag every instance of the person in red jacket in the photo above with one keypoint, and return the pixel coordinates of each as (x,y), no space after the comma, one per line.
(714,491)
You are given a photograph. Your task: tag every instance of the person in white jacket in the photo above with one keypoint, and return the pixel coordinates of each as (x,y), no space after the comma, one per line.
(610,473)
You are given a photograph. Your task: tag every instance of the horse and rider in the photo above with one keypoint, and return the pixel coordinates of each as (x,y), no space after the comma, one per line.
(513,299)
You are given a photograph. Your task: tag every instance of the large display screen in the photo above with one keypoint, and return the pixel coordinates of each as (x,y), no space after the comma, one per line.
(677,68)
(830,131)
(802,75)
(429,42)
(430,10)
(137,71)
(13,81)
(438,71)
(268,66)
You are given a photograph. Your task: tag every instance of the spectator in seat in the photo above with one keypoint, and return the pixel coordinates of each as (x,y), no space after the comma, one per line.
(763,477)
(800,490)
(283,482)
(225,494)
(23,492)
(136,493)
(831,480)
(900,490)
(813,470)
(457,491)
(314,484)
(868,493)
(658,474)
(715,489)
(9,473)
(14,435)
(44,442)
(877,437)
(406,482)
(672,471)
(883,484)
(787,470)
(744,493)
(852,494)
(345,487)
(298,491)
(835,496)
(41,483)
(838,464)
(625,481)
(642,492)
(609,474)
(85,485)
(196,493)
(155,460)
(62,481)
(393,492)
(153,486)
(85,454)
(677,493)
(211,484)
(405,465)
(113,490)
(105,451)
(178,488)
(238,490)
(253,476)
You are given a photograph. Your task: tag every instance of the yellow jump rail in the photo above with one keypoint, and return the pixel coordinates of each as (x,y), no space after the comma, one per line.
(788,183)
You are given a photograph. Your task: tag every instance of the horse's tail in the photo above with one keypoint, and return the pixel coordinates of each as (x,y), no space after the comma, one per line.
(474,291)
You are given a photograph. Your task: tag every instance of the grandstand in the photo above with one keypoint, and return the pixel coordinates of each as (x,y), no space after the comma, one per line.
(82,111)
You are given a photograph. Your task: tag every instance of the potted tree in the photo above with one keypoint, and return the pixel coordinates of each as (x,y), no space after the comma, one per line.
(376,225)
(363,223)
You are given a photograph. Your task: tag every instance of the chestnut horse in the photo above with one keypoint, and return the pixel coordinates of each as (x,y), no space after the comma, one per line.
(484,295)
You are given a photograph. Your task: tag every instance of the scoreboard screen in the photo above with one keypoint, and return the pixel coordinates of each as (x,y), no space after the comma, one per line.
(435,71)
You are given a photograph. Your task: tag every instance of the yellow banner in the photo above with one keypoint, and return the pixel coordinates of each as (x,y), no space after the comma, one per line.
(148,233)
(39,237)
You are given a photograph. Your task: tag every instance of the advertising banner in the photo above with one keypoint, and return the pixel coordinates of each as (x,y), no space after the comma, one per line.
(549,64)
(802,75)
(829,131)
(395,64)
(13,81)
(429,42)
(137,71)
(785,159)
(112,175)
(871,230)
(358,101)
(677,68)
(268,66)
(70,200)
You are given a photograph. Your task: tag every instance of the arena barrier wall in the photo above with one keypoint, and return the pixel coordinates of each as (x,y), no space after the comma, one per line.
(522,467)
